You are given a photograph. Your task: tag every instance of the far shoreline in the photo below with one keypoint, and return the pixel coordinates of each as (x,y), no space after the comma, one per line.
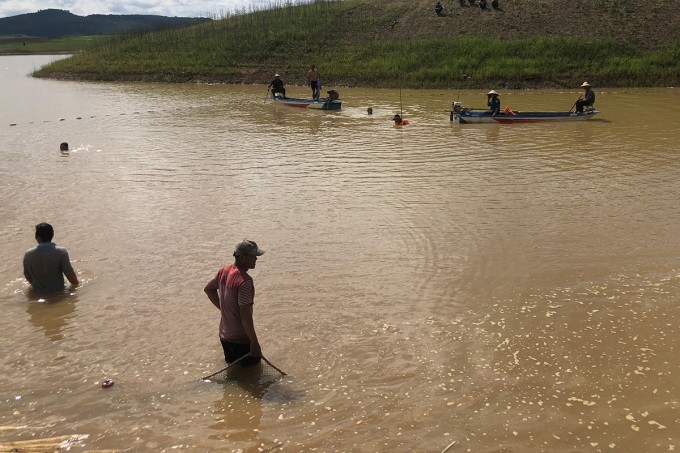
(216,80)
(260,78)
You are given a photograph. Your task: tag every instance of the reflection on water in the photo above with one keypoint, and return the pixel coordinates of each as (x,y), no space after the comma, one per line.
(239,411)
(51,312)
(238,415)
(506,286)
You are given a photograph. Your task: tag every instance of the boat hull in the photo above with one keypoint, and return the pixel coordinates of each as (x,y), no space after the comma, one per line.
(309,103)
(478,116)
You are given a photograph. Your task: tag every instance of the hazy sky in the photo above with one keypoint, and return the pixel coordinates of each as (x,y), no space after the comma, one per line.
(189,8)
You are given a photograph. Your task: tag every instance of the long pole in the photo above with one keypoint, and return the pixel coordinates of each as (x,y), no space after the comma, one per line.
(240,359)
(274,366)
(401,105)
(574,104)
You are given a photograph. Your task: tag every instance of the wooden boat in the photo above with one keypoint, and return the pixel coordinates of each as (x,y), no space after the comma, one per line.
(475,116)
(318,104)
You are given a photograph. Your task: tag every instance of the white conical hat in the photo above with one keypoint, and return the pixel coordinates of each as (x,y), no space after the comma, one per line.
(492,92)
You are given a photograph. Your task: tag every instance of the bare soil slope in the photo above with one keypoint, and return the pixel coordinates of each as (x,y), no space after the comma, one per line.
(645,23)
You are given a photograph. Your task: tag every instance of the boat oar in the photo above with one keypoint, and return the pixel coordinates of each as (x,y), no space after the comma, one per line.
(574,104)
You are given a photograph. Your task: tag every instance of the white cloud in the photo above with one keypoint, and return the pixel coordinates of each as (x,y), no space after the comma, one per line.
(183,8)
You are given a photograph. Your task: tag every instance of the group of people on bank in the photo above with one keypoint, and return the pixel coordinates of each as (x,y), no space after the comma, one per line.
(439,8)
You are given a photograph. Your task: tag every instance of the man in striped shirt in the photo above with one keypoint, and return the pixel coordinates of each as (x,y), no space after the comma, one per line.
(233,292)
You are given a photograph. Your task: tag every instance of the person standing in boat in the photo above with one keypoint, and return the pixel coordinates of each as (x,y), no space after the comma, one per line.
(587,99)
(493,102)
(314,80)
(277,87)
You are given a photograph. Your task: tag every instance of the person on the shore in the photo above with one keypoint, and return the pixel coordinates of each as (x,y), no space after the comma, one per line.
(587,99)
(277,87)
(493,102)
(314,81)
(46,264)
(232,291)
(439,9)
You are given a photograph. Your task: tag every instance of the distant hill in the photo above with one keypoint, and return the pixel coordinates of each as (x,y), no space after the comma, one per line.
(55,23)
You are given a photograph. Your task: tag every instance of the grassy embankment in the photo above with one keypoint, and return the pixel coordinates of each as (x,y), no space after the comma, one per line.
(23,45)
(391,43)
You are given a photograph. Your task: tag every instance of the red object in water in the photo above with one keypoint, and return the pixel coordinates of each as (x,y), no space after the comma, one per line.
(107,383)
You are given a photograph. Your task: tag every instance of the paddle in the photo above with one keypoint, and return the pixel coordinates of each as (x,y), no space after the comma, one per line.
(574,104)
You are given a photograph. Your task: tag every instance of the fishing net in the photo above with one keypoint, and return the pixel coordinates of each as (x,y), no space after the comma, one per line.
(263,371)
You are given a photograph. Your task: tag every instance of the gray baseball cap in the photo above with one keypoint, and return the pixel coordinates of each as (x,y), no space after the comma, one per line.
(247,247)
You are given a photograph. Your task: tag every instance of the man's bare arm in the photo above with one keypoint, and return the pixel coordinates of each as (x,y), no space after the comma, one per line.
(246,312)
(211,291)
(73,279)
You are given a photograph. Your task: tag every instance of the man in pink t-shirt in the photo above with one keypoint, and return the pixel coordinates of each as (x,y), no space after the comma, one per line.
(233,292)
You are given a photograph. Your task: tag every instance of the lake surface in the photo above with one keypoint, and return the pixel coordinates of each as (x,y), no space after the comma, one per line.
(510,287)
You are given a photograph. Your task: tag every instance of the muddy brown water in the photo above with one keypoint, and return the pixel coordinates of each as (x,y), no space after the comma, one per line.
(508,287)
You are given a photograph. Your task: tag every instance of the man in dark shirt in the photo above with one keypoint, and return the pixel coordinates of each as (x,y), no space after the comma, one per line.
(277,86)
(46,264)
(587,99)
(493,102)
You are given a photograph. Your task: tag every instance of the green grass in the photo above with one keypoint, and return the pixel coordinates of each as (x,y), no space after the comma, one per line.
(336,35)
(29,45)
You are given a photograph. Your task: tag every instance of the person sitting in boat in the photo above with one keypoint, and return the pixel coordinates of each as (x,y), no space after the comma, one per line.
(587,99)
(277,87)
(493,102)
(332,95)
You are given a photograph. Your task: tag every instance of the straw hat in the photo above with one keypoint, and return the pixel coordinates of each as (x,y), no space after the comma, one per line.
(492,92)
(585,84)
(276,75)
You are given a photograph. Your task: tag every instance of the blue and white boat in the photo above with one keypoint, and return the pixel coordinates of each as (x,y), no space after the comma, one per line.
(330,103)
(475,116)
